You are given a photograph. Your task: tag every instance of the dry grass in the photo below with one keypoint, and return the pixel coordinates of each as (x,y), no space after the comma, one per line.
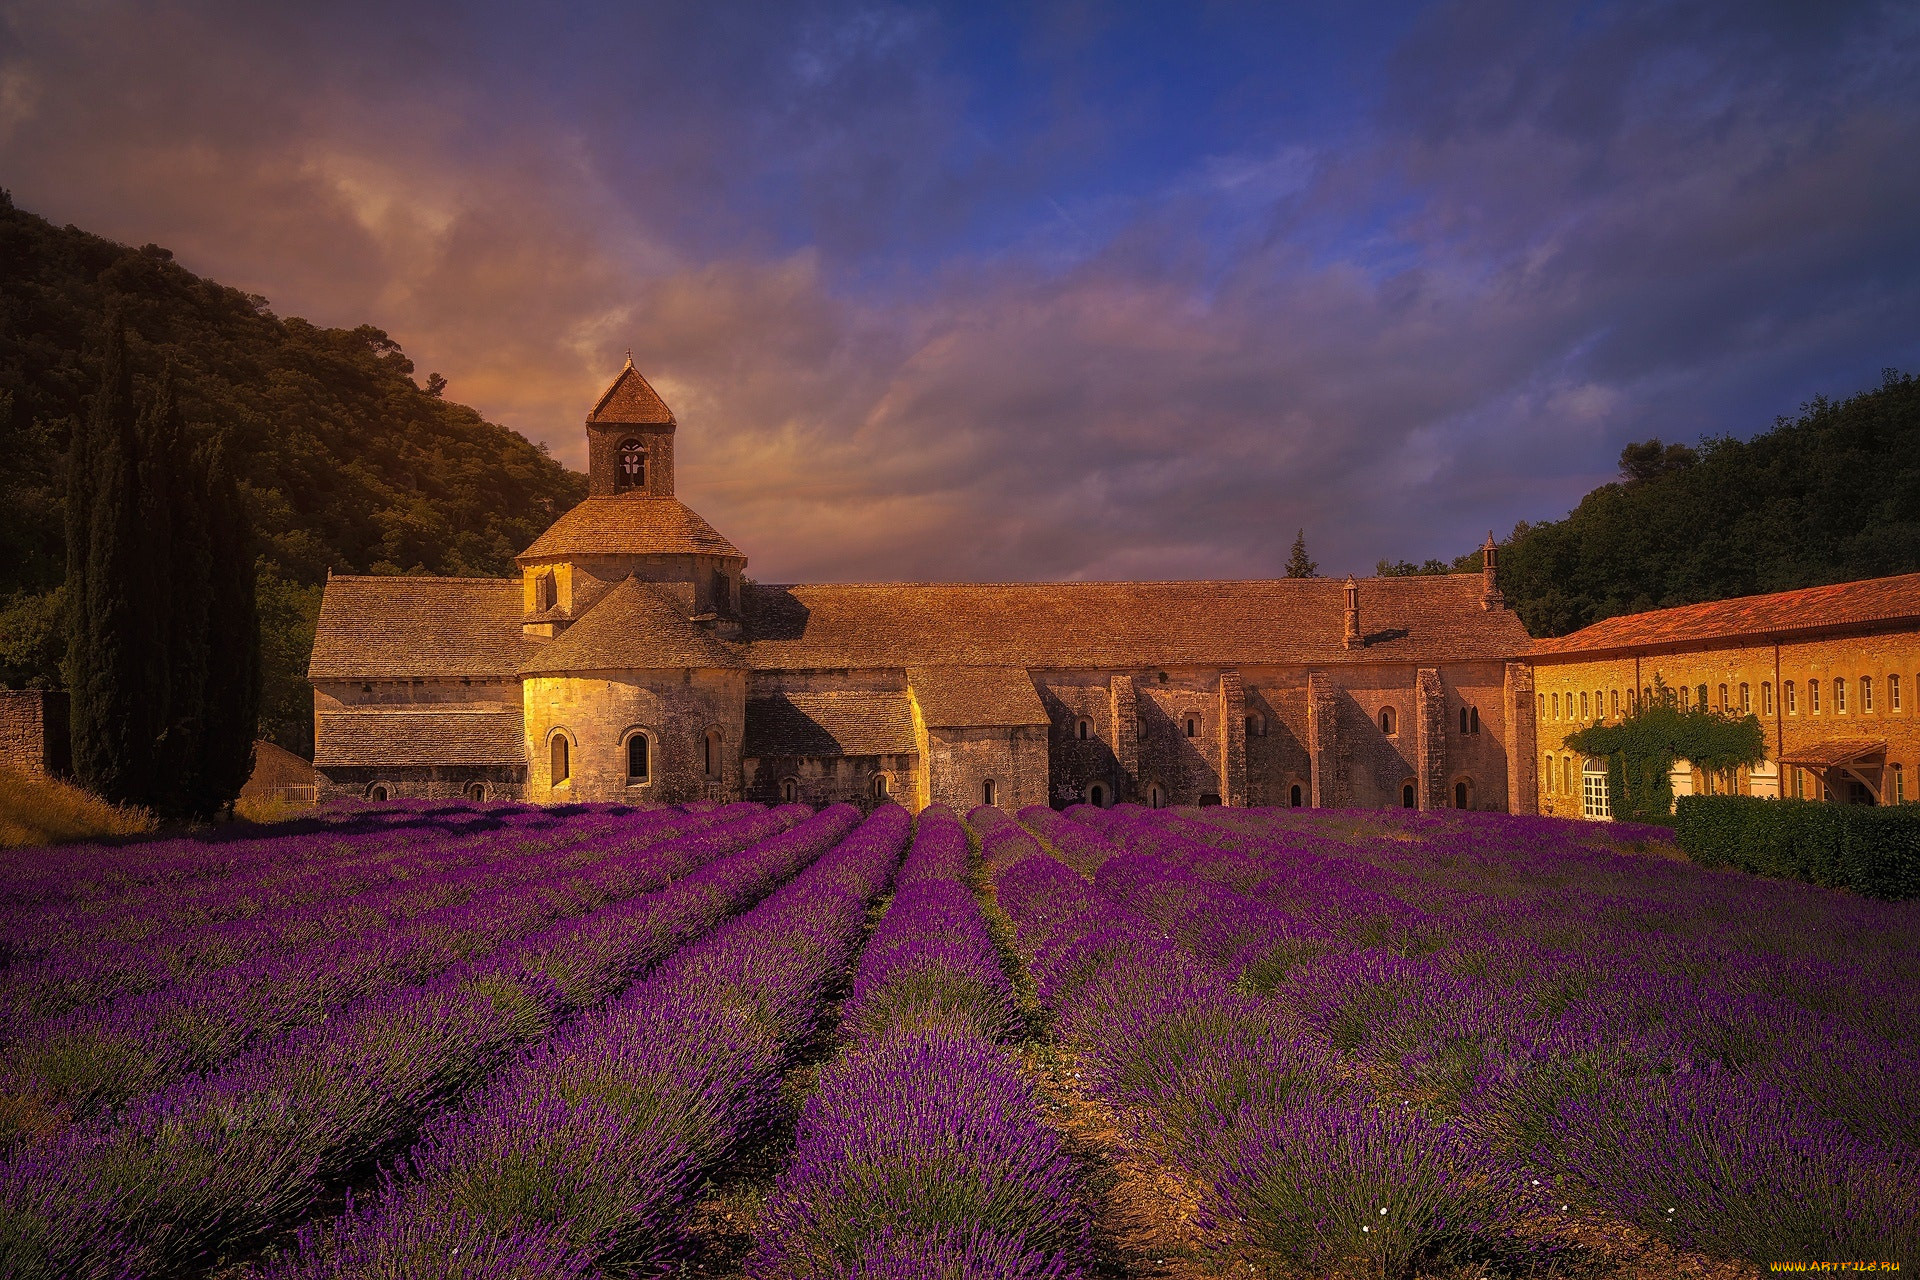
(270,811)
(47,811)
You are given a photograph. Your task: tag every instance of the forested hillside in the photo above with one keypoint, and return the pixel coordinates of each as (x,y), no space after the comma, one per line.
(345,461)
(1831,495)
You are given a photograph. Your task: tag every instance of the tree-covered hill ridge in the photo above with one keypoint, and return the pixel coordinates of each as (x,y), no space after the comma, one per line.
(1830,495)
(345,461)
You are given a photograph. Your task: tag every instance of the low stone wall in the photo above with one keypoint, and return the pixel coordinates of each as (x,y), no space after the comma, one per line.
(33,732)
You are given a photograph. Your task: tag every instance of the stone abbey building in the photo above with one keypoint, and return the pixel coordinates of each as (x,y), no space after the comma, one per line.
(632,661)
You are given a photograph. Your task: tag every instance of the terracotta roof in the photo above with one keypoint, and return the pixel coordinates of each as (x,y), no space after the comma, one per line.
(630,525)
(632,627)
(397,628)
(630,400)
(1833,752)
(974,697)
(371,737)
(1103,624)
(829,724)
(1844,604)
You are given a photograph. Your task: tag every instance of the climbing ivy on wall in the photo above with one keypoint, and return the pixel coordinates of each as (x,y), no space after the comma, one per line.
(1641,749)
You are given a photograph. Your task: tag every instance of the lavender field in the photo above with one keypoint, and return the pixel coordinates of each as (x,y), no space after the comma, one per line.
(500,1041)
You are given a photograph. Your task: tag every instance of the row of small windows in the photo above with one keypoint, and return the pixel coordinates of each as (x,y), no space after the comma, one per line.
(1256,724)
(638,750)
(1732,699)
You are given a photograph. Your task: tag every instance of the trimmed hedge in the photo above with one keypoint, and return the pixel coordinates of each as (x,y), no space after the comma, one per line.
(1874,851)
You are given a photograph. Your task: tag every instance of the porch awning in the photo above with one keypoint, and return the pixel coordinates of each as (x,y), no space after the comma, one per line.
(1833,753)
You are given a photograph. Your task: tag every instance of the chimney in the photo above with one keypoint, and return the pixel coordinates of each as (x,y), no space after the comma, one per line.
(1490,597)
(1352,639)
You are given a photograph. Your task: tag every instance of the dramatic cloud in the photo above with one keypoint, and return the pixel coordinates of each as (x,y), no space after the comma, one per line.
(936,295)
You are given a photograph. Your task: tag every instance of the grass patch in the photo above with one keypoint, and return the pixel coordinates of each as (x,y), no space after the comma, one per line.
(38,810)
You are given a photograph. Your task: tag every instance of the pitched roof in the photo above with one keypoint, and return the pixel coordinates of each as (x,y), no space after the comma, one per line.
(442,733)
(630,400)
(629,525)
(975,697)
(1862,603)
(1833,752)
(397,628)
(829,724)
(1094,624)
(632,627)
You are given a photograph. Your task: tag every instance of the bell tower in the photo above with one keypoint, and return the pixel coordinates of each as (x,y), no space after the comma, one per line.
(630,440)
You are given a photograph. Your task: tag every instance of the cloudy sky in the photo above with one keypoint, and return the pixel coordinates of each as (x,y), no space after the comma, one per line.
(1077,291)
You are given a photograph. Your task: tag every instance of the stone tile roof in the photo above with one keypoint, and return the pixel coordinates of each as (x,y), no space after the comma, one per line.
(441,733)
(975,697)
(629,525)
(630,400)
(1833,752)
(374,628)
(632,627)
(1846,604)
(1428,619)
(829,724)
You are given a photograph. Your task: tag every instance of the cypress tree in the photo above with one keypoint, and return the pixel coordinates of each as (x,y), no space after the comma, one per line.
(175,593)
(232,689)
(108,670)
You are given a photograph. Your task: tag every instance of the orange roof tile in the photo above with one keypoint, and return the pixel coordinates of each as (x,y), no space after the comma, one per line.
(634,627)
(829,724)
(629,525)
(630,400)
(1844,604)
(375,628)
(1833,752)
(975,697)
(1123,624)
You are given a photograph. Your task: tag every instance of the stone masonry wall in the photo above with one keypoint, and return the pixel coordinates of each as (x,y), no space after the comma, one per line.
(675,709)
(33,732)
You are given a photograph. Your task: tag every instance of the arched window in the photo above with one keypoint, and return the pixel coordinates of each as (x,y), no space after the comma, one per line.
(1646,696)
(1156,798)
(1595,803)
(1616,702)
(1839,696)
(1746,698)
(1793,703)
(789,790)
(1599,704)
(1813,697)
(559,766)
(1256,725)
(1685,696)
(1566,775)
(1543,706)
(1190,726)
(1548,775)
(1703,697)
(1725,706)
(1295,796)
(1556,706)
(879,786)
(1462,796)
(1463,713)
(1766,697)
(1082,730)
(639,758)
(1583,704)
(714,753)
(986,792)
(632,472)
(1893,693)
(377,792)
(1388,725)
(1866,693)
(1097,796)
(1474,718)
(475,791)
(1407,798)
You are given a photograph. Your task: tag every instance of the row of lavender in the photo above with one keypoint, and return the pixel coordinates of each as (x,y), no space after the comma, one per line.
(1621,1072)
(215,1162)
(587,1151)
(923,1151)
(102,1056)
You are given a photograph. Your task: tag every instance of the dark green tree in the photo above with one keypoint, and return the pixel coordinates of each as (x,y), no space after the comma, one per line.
(231,701)
(177,589)
(109,672)
(1298,566)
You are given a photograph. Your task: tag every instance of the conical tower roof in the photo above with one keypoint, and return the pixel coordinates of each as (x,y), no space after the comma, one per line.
(630,401)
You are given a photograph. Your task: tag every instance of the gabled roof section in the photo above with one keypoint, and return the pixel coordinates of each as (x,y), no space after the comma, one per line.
(829,724)
(630,400)
(1034,626)
(629,525)
(634,627)
(1868,602)
(975,697)
(387,628)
